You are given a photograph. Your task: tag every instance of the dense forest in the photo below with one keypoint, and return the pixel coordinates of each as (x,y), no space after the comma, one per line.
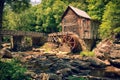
(46,16)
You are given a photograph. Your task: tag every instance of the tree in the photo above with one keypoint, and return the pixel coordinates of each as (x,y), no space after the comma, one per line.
(49,15)
(16,5)
(81,4)
(110,22)
(96,8)
(25,21)
(1,11)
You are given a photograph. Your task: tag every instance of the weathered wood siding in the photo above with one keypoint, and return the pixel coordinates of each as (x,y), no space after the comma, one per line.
(94,29)
(70,22)
(84,28)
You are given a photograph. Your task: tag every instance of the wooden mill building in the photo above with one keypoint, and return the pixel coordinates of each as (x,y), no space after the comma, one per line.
(79,22)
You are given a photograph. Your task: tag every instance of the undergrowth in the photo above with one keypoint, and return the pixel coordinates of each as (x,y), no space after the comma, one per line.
(12,70)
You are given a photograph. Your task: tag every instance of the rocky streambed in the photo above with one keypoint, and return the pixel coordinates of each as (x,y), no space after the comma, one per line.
(105,65)
(48,66)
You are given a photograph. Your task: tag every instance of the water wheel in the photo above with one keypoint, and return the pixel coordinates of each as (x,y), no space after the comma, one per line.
(65,38)
(70,40)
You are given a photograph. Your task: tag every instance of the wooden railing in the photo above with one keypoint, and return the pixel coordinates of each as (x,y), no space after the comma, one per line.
(21,33)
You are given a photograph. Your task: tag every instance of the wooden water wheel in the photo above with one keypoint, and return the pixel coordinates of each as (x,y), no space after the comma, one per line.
(70,40)
(67,38)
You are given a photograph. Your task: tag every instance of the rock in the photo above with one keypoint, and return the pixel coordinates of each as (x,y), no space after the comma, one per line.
(98,54)
(95,62)
(64,72)
(53,58)
(75,70)
(117,46)
(112,71)
(54,77)
(65,48)
(50,76)
(49,54)
(5,53)
(57,66)
(107,63)
(84,72)
(6,45)
(115,62)
(115,55)
(62,53)
(115,52)
(103,49)
(80,64)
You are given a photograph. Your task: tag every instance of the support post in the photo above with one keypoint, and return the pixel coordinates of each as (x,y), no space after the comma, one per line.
(17,43)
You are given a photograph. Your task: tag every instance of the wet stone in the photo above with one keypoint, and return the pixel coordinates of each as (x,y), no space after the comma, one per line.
(64,72)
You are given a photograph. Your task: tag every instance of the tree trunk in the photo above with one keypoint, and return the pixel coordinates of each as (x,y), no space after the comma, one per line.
(1,12)
(1,16)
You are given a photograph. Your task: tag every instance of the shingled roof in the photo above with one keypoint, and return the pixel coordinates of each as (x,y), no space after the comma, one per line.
(79,12)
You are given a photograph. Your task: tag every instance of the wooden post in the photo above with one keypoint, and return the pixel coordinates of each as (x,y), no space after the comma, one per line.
(17,43)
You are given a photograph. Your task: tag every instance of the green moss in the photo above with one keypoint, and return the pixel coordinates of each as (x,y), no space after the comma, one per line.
(87,53)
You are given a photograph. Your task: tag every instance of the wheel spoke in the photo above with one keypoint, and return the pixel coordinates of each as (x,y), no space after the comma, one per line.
(70,38)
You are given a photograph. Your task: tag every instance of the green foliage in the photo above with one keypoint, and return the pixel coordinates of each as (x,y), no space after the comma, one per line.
(18,5)
(24,21)
(27,20)
(10,19)
(49,15)
(76,78)
(15,5)
(12,70)
(81,4)
(87,53)
(96,8)
(110,22)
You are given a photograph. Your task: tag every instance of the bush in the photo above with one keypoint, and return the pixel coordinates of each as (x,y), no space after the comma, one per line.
(12,70)
(87,53)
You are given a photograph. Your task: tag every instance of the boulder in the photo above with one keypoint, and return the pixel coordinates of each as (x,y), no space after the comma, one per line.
(80,64)
(64,72)
(95,62)
(5,53)
(50,76)
(114,55)
(112,71)
(65,48)
(115,62)
(103,49)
